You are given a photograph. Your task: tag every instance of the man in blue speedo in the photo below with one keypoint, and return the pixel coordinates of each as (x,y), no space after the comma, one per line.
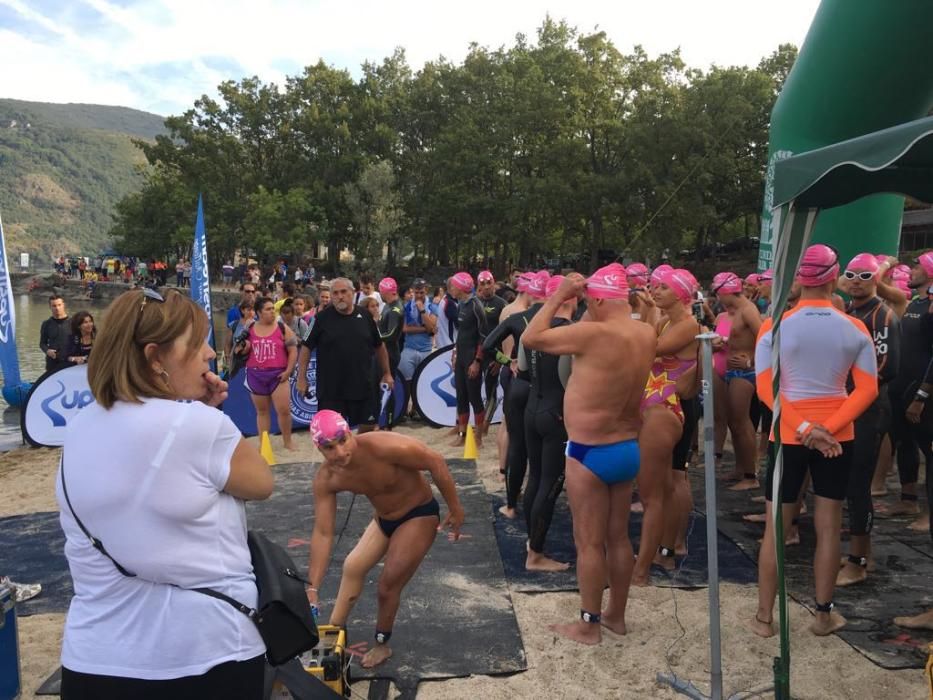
(612,354)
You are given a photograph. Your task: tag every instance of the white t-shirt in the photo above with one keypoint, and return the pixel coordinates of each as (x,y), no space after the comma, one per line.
(359,296)
(154,498)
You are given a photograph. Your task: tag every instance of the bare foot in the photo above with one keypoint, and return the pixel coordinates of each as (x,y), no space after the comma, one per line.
(851,573)
(758,499)
(923,621)
(881,490)
(479,440)
(612,622)
(899,508)
(454,431)
(375,656)
(745,485)
(509,513)
(755,518)
(291,446)
(459,441)
(535,561)
(582,632)
(761,628)
(921,524)
(640,581)
(826,623)
(681,550)
(501,476)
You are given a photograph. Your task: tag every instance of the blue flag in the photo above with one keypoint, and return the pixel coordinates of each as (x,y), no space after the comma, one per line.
(9,362)
(200,276)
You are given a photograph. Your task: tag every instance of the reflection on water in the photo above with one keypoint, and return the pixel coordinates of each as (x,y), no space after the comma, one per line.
(31,311)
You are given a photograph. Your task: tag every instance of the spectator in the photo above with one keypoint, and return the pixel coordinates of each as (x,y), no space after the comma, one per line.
(247,296)
(419,327)
(53,336)
(180,273)
(81,340)
(291,318)
(323,298)
(187,274)
(367,289)
(228,275)
(170,510)
(346,340)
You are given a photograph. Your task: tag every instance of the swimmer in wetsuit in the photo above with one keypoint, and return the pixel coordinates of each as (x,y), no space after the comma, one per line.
(819,348)
(545,436)
(386,468)
(467,357)
(611,357)
(673,372)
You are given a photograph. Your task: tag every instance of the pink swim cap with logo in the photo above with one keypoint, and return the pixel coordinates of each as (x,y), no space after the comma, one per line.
(537,284)
(863,262)
(658,271)
(766,276)
(609,282)
(521,282)
(638,274)
(680,281)
(462,281)
(752,279)
(819,265)
(727,283)
(552,284)
(328,426)
(485,276)
(387,284)
(926,262)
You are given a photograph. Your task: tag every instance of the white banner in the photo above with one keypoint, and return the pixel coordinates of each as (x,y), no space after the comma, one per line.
(435,395)
(55,399)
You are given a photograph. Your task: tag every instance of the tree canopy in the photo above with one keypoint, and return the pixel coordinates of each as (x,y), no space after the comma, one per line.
(560,147)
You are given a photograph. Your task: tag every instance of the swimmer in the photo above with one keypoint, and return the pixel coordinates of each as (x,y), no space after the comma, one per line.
(386,468)
(612,355)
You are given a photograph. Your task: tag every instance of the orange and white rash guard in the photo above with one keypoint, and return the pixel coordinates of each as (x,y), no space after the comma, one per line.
(820,346)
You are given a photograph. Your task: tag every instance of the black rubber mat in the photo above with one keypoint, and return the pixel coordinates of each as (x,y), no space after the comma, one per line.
(456,617)
(33,551)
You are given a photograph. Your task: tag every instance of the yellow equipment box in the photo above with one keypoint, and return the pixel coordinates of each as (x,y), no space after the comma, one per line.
(328,660)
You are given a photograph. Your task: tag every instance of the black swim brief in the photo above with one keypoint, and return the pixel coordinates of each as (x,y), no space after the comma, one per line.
(431,508)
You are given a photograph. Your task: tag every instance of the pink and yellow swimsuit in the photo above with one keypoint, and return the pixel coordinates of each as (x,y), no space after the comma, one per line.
(661,388)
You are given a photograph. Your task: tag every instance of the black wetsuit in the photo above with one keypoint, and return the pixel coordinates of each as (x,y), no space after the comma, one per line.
(492,309)
(883,325)
(516,396)
(390,329)
(472,331)
(545,438)
(915,368)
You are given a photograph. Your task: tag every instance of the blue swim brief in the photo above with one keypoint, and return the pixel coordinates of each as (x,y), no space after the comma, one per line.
(747,374)
(614,463)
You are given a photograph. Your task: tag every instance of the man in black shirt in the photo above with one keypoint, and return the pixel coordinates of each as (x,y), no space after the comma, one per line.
(858,281)
(54,334)
(909,392)
(467,360)
(346,339)
(492,310)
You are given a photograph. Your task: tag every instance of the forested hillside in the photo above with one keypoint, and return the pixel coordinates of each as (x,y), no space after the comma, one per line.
(62,170)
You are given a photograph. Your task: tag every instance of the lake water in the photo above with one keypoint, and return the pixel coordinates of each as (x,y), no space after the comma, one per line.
(31,311)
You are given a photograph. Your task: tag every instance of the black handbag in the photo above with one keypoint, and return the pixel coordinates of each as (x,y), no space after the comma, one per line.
(283,614)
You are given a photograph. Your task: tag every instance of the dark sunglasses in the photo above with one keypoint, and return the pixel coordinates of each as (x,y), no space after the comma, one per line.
(147,295)
(864,276)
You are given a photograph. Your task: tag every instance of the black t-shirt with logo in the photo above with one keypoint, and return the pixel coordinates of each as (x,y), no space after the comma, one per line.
(345,344)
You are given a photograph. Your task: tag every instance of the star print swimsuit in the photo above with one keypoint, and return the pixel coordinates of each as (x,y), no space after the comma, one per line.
(661,389)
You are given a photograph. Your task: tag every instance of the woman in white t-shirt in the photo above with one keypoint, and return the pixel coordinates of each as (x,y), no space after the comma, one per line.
(168,507)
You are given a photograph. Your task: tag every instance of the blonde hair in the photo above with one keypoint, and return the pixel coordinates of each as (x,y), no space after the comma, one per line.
(118,370)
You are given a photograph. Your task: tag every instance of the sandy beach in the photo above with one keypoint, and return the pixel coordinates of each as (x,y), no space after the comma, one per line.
(622,667)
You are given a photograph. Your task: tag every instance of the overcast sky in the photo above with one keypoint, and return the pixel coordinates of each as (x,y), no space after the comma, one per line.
(161,55)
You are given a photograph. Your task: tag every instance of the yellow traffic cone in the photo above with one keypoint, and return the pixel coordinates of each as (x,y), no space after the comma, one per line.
(469,445)
(265,449)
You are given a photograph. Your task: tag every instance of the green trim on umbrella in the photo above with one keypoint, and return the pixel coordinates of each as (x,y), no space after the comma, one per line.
(896,160)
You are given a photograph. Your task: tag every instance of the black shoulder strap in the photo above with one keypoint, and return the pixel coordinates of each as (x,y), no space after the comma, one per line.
(99,546)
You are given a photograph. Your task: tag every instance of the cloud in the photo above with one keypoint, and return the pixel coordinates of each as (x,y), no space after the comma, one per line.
(161,55)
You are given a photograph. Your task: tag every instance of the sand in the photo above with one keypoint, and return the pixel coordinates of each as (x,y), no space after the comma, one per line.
(621,667)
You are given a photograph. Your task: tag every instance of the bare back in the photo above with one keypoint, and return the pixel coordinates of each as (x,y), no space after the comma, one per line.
(603,397)
(372,472)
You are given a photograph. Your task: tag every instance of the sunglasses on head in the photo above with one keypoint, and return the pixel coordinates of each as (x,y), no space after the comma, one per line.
(147,295)
(864,276)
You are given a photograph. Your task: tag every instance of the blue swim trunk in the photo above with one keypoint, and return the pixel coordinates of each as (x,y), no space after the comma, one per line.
(614,463)
(747,374)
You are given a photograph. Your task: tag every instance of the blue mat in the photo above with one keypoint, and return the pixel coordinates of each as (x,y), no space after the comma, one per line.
(33,552)
(734,565)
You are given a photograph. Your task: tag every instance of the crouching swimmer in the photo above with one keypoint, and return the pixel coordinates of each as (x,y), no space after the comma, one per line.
(385,467)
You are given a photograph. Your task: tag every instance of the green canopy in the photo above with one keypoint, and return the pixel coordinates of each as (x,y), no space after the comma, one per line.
(895,160)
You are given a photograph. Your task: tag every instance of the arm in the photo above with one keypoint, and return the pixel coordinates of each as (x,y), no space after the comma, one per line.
(291,349)
(497,338)
(250,478)
(322,537)
(892,296)
(865,376)
(415,456)
(44,337)
(679,336)
(429,318)
(571,339)
(304,356)
(889,352)
(764,379)
(382,357)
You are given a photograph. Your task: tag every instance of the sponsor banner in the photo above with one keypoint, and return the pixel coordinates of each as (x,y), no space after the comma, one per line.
(55,399)
(9,361)
(434,393)
(200,275)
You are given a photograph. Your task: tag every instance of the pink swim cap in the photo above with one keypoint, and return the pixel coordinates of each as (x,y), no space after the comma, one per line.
(901,272)
(462,281)
(904,285)
(552,284)
(521,282)
(752,279)
(819,265)
(537,284)
(328,426)
(387,284)
(638,273)
(766,276)
(658,271)
(926,262)
(726,283)
(485,276)
(680,281)
(609,282)
(863,262)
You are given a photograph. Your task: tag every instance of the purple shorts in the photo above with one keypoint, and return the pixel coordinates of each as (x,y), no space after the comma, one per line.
(262,382)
